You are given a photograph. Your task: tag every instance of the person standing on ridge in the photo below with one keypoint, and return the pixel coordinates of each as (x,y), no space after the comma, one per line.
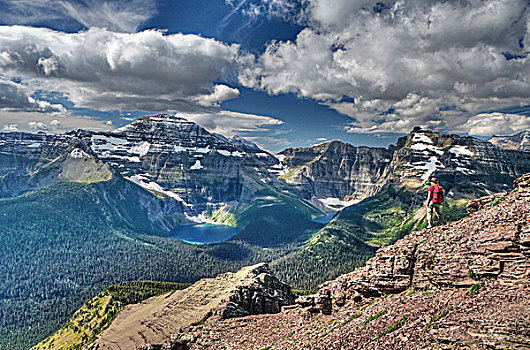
(434,199)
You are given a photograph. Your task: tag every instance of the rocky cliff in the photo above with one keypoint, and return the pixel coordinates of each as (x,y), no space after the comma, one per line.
(336,173)
(462,285)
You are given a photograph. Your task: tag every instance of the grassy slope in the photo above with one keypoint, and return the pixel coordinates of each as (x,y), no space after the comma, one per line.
(98,313)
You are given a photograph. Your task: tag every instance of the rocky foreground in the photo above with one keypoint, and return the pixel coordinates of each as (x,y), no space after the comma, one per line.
(459,286)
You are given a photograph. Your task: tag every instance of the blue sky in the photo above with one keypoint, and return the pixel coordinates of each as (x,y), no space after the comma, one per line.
(282,73)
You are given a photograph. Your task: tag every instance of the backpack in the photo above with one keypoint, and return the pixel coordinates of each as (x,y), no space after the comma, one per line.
(437,194)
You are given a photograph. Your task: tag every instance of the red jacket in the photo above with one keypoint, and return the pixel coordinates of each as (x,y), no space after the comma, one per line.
(436,194)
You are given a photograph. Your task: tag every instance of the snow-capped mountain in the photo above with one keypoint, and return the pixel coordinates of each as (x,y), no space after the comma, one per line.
(203,173)
(167,155)
(338,174)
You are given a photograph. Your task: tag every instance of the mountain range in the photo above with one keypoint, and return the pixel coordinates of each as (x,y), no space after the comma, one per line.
(85,209)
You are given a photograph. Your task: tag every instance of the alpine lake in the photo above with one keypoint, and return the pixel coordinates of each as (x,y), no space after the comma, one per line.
(204,233)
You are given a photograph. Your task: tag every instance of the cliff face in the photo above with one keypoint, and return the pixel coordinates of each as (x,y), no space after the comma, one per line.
(336,171)
(338,174)
(520,141)
(462,285)
(467,167)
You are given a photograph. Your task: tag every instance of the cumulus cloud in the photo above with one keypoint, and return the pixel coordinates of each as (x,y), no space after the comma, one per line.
(37,126)
(123,16)
(220,93)
(230,123)
(10,127)
(391,65)
(486,124)
(17,97)
(106,70)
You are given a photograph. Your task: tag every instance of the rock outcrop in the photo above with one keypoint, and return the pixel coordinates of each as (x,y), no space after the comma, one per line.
(463,285)
(250,291)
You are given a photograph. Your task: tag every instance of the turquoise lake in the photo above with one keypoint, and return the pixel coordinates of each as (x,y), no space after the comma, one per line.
(325,219)
(203,233)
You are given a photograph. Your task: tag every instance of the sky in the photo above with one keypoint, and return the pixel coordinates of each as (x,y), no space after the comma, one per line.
(282,73)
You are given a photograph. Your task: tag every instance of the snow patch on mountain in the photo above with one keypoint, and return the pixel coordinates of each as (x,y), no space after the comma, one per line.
(465,171)
(424,147)
(197,165)
(224,152)
(421,138)
(143,181)
(335,204)
(461,151)
(78,153)
(424,169)
(141,149)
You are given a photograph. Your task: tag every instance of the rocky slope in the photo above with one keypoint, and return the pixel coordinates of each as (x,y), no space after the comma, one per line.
(250,291)
(462,285)
(520,141)
(467,168)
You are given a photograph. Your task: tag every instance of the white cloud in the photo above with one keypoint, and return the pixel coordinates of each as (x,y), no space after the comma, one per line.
(123,16)
(10,127)
(230,123)
(37,125)
(51,123)
(108,122)
(486,124)
(404,63)
(105,70)
(221,93)
(17,97)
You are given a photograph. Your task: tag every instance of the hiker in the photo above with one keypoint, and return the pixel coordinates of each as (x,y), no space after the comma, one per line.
(434,199)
